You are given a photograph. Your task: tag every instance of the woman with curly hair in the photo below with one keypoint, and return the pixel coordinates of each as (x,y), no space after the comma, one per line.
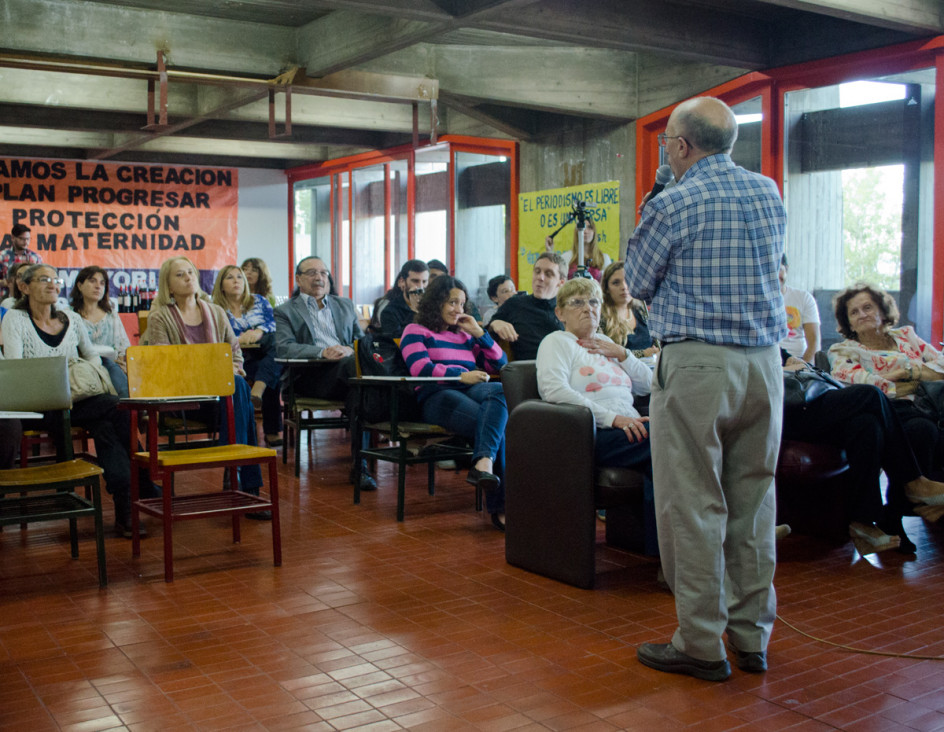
(259,279)
(895,360)
(446,341)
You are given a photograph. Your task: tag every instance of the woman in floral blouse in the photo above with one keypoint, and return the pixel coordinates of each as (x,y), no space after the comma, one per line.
(895,360)
(253,321)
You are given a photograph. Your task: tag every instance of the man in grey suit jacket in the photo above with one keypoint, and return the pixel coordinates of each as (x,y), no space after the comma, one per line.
(314,324)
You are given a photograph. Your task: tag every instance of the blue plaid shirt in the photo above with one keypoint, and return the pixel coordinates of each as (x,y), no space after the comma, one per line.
(706,255)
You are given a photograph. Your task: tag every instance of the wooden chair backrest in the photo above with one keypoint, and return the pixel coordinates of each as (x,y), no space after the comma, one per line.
(34,384)
(199,369)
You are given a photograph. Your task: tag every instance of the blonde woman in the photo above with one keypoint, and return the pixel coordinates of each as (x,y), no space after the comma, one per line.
(182,313)
(253,321)
(625,319)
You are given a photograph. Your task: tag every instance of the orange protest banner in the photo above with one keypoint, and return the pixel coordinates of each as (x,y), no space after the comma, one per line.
(124,217)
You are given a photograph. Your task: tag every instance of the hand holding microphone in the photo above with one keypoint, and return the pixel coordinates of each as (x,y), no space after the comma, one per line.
(664,178)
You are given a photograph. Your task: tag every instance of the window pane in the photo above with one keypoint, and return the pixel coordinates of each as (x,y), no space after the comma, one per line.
(482,221)
(858,184)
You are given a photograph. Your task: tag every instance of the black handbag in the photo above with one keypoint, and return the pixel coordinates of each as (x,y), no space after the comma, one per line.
(929,398)
(804,385)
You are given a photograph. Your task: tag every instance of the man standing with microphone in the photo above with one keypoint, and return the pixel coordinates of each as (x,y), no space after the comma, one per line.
(706,254)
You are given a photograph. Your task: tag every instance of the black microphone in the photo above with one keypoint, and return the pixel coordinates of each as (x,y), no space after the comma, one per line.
(663,178)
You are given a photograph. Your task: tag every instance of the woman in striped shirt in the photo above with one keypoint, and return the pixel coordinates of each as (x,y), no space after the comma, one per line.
(446,341)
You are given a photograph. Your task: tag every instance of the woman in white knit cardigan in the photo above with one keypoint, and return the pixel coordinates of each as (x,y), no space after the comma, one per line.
(36,329)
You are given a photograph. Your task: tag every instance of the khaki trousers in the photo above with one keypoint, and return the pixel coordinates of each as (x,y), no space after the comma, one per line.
(715,429)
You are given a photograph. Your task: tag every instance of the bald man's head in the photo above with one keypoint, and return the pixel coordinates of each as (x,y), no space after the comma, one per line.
(707,124)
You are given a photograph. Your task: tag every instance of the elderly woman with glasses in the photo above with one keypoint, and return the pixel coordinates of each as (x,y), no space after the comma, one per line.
(586,368)
(35,328)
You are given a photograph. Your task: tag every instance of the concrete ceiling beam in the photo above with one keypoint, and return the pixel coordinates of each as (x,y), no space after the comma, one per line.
(909,16)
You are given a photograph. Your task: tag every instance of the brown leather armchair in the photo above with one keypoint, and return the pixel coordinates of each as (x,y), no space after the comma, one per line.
(553,489)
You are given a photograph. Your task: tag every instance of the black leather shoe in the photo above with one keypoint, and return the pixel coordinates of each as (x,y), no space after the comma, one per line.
(488,482)
(498,521)
(666,657)
(754,662)
(259,516)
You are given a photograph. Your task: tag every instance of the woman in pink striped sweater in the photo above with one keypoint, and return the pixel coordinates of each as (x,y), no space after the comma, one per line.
(446,341)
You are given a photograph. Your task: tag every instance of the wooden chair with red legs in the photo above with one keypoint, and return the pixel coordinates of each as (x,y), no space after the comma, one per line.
(175,378)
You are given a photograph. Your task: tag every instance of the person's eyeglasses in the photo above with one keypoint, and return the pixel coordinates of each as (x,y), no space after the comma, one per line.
(662,137)
(57,281)
(579,302)
(314,273)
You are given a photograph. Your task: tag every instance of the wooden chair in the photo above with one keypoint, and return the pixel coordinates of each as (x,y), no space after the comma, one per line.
(301,413)
(172,378)
(47,492)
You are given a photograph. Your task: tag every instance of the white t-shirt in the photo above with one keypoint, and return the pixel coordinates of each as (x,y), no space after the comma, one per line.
(801,308)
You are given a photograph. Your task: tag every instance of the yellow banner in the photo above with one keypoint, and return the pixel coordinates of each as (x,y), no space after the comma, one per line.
(542,212)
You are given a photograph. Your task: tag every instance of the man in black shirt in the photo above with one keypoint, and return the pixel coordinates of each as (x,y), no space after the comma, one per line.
(523,320)
(403,298)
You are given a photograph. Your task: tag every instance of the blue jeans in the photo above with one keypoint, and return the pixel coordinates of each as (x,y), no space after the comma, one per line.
(614,450)
(478,412)
(118,377)
(260,365)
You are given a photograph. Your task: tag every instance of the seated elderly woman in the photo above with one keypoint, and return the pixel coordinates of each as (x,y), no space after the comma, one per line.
(861,420)
(181,313)
(253,322)
(446,340)
(895,360)
(583,367)
(36,328)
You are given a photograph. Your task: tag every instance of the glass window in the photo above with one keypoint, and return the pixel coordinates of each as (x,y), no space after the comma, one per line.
(482,221)
(858,184)
(313,219)
(369,245)
(432,204)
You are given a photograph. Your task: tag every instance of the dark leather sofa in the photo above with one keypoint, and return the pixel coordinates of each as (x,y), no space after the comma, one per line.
(553,489)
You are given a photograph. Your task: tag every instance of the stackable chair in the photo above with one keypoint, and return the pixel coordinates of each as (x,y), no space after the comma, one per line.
(47,492)
(302,413)
(174,378)
(553,488)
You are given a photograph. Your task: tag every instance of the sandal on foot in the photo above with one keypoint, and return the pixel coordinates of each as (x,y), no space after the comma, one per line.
(871,542)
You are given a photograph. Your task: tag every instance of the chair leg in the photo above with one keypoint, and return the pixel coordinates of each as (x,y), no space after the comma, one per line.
(431,477)
(298,443)
(276,525)
(135,515)
(96,490)
(168,528)
(401,480)
(74,538)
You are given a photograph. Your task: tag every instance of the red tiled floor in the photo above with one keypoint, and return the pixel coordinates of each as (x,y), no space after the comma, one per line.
(374,625)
